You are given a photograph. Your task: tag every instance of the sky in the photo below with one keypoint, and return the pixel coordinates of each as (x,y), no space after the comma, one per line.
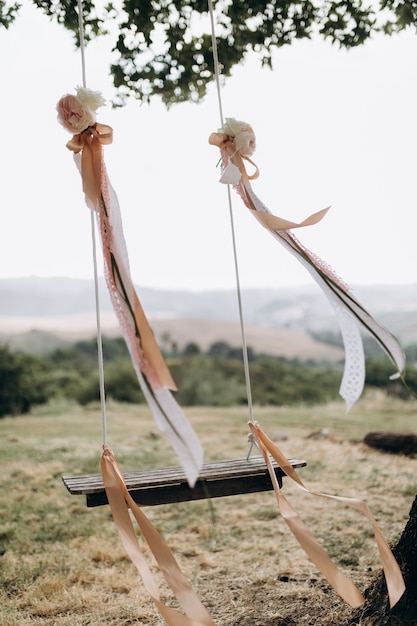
(333,127)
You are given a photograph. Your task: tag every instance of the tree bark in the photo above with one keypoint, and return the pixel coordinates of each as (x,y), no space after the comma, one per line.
(376,610)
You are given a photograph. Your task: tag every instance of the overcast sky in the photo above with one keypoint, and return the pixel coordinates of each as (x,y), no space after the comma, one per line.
(333,128)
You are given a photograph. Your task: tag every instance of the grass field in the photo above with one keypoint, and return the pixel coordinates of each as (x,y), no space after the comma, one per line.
(62,564)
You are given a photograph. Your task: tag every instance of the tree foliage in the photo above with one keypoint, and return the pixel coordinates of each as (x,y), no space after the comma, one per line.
(22,382)
(164,47)
(212,378)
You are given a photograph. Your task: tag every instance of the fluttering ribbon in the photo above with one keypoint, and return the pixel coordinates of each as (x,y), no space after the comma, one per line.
(152,372)
(236,142)
(347,308)
(344,587)
(121,502)
(77,114)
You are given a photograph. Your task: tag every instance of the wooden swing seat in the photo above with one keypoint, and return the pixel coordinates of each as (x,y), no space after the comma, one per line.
(165,485)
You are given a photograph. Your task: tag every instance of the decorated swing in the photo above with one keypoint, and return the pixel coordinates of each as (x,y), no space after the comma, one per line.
(193,479)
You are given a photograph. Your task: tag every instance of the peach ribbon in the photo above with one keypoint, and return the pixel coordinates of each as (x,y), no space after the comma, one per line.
(269,221)
(151,369)
(350,388)
(120,501)
(151,349)
(344,587)
(273,222)
(89,143)
(347,309)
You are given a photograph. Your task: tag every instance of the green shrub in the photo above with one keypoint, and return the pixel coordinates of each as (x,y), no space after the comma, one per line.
(22,382)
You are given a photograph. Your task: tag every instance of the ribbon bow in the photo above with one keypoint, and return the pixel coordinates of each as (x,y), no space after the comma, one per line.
(225,143)
(89,143)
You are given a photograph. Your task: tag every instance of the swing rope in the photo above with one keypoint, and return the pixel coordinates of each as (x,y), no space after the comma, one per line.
(94,255)
(232,226)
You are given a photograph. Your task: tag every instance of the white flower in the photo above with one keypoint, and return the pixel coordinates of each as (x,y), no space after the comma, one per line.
(90,99)
(242,135)
(233,127)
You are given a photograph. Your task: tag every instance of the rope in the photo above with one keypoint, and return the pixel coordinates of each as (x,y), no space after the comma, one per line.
(94,254)
(235,254)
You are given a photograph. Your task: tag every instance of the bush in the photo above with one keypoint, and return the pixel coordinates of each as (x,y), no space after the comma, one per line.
(215,378)
(22,382)
(121,384)
(204,381)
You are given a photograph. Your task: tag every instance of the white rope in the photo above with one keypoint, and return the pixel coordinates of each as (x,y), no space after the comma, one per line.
(94,254)
(235,255)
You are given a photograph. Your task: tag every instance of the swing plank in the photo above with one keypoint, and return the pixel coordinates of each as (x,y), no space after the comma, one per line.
(165,485)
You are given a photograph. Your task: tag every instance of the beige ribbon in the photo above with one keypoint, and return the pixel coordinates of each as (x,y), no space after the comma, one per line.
(89,143)
(120,501)
(344,587)
(150,347)
(272,222)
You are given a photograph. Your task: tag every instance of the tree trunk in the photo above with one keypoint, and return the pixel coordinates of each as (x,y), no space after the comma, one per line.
(376,610)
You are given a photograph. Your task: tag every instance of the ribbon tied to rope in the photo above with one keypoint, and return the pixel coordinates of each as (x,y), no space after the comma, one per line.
(236,141)
(78,115)
(89,142)
(230,139)
(234,169)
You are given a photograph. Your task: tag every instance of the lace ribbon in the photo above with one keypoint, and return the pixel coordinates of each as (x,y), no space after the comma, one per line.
(152,372)
(347,309)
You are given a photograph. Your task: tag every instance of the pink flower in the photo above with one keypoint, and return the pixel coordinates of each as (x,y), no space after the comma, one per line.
(73,115)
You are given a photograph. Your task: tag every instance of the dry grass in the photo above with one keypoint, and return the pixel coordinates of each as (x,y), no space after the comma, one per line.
(63,565)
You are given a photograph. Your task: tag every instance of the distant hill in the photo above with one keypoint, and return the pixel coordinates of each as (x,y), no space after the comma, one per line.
(278,321)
